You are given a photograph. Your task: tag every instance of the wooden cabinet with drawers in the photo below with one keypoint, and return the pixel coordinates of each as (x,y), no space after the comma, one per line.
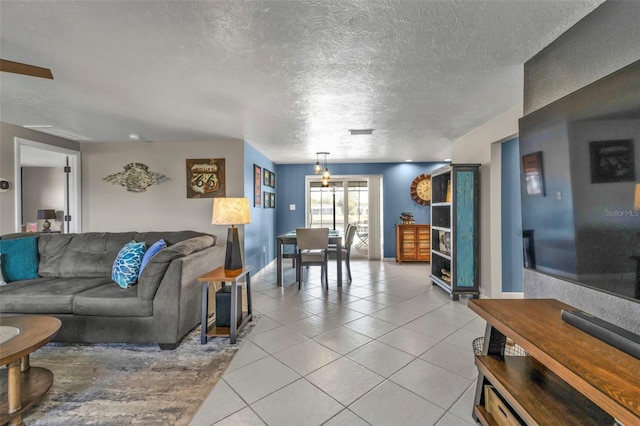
(413,243)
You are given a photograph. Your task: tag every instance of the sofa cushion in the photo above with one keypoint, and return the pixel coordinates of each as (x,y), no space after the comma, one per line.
(46,295)
(154,271)
(127,264)
(51,247)
(170,237)
(151,251)
(111,301)
(91,254)
(20,258)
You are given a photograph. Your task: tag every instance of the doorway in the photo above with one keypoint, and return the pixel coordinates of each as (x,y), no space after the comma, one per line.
(348,199)
(35,155)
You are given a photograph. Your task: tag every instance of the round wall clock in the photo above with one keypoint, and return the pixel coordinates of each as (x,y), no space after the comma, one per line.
(421,189)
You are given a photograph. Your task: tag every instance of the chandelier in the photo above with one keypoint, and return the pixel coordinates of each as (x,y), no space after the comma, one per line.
(322,168)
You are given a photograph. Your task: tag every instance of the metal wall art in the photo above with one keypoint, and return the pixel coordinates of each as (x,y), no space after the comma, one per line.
(136,177)
(205,178)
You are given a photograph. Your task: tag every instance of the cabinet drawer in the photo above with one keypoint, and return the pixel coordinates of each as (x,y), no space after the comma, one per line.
(500,412)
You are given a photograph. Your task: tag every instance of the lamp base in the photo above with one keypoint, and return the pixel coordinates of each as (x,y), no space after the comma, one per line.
(46,226)
(233,257)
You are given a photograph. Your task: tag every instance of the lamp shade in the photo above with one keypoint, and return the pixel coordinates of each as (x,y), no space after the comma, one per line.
(231,211)
(46,214)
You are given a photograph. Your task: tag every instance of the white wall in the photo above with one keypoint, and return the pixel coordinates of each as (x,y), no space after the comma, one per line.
(162,207)
(8,132)
(475,147)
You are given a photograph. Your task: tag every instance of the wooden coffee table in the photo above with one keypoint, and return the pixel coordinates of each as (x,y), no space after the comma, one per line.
(20,384)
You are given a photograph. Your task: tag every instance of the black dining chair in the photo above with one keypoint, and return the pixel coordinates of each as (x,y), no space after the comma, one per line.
(312,251)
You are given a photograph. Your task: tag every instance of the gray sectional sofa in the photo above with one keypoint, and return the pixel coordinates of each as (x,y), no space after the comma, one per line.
(75,285)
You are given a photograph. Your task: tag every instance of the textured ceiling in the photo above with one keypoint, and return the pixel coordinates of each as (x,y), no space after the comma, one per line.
(289,77)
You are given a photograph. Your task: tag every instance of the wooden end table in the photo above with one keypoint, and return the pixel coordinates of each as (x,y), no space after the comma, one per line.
(219,275)
(22,385)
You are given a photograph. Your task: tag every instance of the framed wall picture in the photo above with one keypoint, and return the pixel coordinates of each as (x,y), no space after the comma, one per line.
(533,175)
(205,178)
(272,180)
(612,161)
(265,198)
(273,200)
(257,186)
(266,180)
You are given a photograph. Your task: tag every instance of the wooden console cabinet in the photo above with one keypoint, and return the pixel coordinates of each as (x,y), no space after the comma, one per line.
(413,243)
(568,377)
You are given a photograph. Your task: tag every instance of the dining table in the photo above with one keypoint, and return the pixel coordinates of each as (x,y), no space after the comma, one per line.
(289,238)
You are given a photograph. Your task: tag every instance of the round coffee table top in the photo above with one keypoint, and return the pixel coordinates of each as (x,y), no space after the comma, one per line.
(33,332)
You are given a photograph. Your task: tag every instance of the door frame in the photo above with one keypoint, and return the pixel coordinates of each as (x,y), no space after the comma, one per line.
(73,197)
(374,185)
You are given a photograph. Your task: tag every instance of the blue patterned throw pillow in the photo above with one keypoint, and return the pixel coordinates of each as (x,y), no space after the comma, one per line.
(151,251)
(127,264)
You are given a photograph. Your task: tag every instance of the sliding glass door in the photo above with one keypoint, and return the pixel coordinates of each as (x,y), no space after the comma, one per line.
(345,201)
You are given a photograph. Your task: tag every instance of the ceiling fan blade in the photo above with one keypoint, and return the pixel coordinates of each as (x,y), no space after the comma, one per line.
(25,69)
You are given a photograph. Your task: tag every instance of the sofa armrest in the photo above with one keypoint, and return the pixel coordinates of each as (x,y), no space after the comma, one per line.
(177,303)
(156,269)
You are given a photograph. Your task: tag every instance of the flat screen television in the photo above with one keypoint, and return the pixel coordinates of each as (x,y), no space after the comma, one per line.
(580,167)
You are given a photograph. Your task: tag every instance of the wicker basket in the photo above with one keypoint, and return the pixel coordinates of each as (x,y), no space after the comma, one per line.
(510,348)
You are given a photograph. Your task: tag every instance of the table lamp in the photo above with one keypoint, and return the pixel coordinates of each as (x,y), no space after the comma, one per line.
(46,215)
(231,211)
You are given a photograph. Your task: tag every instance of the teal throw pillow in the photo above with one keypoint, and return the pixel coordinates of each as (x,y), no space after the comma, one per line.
(2,281)
(151,251)
(20,258)
(127,264)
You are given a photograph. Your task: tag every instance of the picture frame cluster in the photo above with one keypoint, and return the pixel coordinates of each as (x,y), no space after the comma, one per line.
(263,177)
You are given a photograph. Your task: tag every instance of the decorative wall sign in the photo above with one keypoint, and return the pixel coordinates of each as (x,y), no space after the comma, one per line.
(205,178)
(612,161)
(136,177)
(533,177)
(257,186)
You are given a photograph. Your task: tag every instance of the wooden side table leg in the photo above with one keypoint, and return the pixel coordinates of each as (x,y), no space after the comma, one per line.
(204,320)
(14,391)
(248,283)
(234,312)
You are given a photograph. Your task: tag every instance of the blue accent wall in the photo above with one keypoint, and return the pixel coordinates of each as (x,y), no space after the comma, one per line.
(512,261)
(396,181)
(259,236)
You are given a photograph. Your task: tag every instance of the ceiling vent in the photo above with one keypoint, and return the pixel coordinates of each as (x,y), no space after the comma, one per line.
(56,131)
(355,132)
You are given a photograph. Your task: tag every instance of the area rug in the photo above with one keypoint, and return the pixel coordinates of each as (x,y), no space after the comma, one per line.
(120,384)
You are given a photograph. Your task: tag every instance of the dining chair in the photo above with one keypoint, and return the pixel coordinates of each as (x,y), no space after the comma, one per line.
(312,251)
(363,234)
(346,248)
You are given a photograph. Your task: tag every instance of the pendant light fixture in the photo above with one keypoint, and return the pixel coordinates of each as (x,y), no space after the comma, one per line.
(318,168)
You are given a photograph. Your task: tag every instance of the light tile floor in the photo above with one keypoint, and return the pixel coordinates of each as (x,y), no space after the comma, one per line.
(387,349)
